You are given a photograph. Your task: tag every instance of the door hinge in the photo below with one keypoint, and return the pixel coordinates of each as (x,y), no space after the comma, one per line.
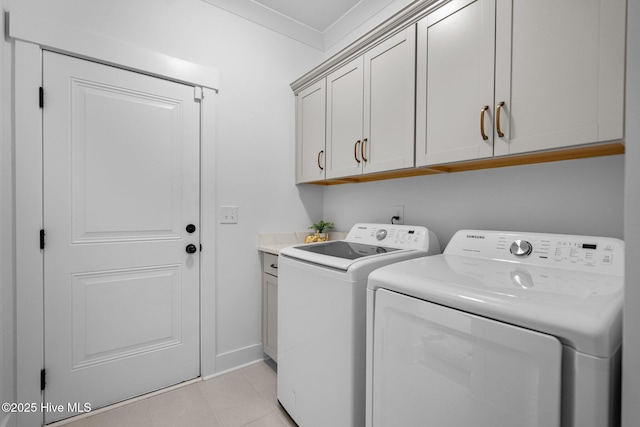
(42,239)
(43,381)
(41,97)
(198,93)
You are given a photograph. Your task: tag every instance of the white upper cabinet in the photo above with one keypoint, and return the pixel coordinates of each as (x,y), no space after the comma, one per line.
(370,110)
(455,82)
(310,137)
(345,116)
(474,84)
(497,77)
(389,103)
(559,72)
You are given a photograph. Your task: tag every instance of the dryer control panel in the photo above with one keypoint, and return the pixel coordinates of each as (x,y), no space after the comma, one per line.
(587,253)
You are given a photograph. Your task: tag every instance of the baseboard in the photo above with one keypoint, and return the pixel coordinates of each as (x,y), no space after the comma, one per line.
(238,358)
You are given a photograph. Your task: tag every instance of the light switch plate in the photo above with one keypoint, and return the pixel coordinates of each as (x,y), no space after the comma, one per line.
(228,214)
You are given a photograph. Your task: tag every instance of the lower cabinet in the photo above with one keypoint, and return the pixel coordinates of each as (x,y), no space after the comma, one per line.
(270,305)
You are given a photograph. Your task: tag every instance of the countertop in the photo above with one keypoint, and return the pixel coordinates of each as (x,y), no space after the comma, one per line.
(273,243)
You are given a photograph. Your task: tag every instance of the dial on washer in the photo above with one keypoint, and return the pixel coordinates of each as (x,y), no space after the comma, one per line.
(521,248)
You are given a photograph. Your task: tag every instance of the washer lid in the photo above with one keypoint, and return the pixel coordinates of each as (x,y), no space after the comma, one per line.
(583,309)
(368,242)
(347,250)
(341,254)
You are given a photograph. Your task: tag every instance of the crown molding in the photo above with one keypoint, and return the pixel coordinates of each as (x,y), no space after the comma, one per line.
(399,21)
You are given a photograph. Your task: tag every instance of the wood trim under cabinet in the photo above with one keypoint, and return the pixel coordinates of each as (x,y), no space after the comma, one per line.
(581,152)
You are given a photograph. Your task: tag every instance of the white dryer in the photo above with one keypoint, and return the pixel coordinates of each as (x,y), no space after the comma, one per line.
(322,319)
(502,329)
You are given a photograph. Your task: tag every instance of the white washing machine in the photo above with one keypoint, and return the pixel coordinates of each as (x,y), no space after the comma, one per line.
(502,329)
(322,319)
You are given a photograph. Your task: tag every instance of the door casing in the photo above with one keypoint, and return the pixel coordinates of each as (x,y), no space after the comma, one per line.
(29,207)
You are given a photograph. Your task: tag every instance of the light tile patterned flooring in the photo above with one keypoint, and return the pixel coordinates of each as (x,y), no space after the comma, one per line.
(246,397)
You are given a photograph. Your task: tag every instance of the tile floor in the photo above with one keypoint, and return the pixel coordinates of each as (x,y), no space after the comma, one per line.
(246,397)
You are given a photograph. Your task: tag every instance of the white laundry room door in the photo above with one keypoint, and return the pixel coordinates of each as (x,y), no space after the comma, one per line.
(121,223)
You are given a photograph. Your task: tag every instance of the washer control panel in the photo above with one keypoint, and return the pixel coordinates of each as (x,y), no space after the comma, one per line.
(521,248)
(559,250)
(392,235)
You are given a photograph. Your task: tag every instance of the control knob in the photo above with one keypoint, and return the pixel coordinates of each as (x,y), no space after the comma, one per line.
(381,234)
(521,248)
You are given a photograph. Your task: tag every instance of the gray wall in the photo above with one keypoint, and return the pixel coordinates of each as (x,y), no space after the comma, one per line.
(572,197)
(631,337)
(255,160)
(255,135)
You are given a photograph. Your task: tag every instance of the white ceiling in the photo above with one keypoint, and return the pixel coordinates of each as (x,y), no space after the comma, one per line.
(319,15)
(318,23)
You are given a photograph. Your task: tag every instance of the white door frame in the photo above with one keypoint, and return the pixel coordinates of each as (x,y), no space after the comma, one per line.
(30,39)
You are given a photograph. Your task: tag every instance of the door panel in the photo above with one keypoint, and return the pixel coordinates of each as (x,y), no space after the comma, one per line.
(105,131)
(389,103)
(310,131)
(562,86)
(146,297)
(121,182)
(271,295)
(345,111)
(456,45)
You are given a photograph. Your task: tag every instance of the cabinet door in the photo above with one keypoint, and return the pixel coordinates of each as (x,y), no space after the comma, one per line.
(310,133)
(455,82)
(344,120)
(559,72)
(389,103)
(270,336)
(270,305)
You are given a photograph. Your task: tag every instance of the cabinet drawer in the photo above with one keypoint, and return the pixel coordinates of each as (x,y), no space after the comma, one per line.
(271,264)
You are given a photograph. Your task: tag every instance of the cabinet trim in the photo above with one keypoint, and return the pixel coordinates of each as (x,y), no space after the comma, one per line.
(582,152)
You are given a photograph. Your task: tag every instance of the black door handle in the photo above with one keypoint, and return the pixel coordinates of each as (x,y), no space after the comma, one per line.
(191,228)
(191,248)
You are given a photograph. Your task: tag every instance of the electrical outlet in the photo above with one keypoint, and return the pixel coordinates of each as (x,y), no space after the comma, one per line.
(228,214)
(398,211)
